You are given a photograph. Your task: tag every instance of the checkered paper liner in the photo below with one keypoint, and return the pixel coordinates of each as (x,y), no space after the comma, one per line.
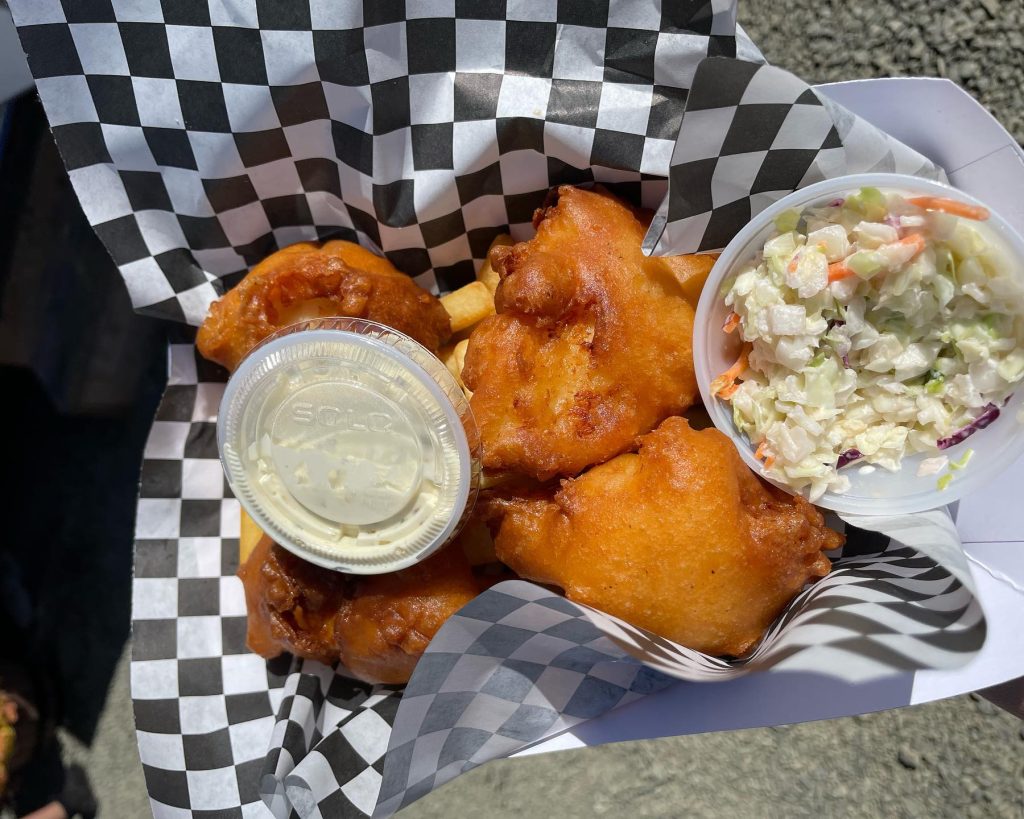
(202,136)
(224,733)
(751,134)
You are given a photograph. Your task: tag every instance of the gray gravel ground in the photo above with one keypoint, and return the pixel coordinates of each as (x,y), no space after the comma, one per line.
(961,757)
(957,758)
(976,43)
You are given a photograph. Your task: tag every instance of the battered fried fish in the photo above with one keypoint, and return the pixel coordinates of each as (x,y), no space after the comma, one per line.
(292,604)
(681,539)
(591,344)
(384,629)
(307,281)
(377,625)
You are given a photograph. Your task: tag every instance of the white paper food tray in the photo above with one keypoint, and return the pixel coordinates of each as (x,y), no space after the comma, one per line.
(980,157)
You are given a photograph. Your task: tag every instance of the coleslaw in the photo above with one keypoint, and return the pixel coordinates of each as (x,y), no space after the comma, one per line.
(876,326)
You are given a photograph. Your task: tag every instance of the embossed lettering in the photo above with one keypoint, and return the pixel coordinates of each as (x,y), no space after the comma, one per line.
(303,414)
(327,415)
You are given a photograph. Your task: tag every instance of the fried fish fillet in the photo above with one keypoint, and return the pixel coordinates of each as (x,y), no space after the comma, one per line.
(306,281)
(680,538)
(291,603)
(377,625)
(384,629)
(591,343)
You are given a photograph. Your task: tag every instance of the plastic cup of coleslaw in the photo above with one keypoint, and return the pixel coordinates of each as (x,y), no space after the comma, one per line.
(873,490)
(350,444)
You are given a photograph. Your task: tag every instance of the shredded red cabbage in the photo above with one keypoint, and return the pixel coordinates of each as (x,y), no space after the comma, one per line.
(988,414)
(836,203)
(848,457)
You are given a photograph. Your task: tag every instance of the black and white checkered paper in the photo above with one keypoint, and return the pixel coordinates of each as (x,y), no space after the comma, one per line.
(201,136)
(220,729)
(751,134)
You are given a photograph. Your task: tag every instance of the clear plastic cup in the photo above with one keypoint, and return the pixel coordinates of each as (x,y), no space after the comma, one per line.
(350,444)
(877,492)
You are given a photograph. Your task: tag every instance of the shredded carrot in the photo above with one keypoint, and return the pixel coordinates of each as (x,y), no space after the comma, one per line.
(837,271)
(951,206)
(914,240)
(731,322)
(791,267)
(728,392)
(729,376)
(762,454)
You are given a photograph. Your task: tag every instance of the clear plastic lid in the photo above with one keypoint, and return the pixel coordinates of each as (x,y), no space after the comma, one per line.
(350,444)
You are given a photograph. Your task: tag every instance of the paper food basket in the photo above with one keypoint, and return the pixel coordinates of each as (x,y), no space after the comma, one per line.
(201,136)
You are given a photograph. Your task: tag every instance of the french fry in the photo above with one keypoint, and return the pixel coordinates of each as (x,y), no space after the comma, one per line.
(248,537)
(447,356)
(691,272)
(491,480)
(454,358)
(487,274)
(459,357)
(468,305)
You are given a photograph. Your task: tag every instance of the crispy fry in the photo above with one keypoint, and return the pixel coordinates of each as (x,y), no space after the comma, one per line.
(691,272)
(487,274)
(249,536)
(459,358)
(454,358)
(507,481)
(468,305)
(489,480)
(447,356)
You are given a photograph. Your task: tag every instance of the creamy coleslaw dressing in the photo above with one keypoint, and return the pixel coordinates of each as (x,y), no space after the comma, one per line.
(345,449)
(878,326)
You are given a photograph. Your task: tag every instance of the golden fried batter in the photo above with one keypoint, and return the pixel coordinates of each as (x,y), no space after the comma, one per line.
(681,539)
(291,603)
(378,625)
(591,344)
(306,281)
(383,631)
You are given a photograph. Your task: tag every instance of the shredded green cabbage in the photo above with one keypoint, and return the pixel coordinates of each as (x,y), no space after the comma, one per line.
(888,361)
(787,221)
